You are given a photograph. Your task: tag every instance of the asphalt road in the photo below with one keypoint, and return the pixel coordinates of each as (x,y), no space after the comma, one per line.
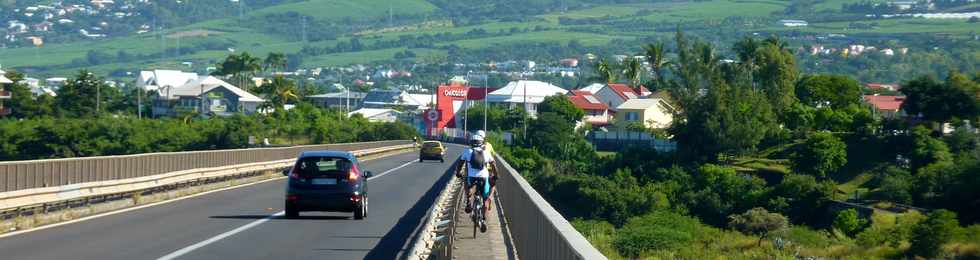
(241,223)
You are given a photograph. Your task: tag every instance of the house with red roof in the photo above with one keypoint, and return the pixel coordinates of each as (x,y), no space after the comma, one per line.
(886,106)
(614,95)
(880,86)
(596,112)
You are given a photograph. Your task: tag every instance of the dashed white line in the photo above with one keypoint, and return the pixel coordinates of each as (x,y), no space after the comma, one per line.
(201,244)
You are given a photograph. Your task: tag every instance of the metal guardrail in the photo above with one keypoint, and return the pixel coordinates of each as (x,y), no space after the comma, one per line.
(538,231)
(21,175)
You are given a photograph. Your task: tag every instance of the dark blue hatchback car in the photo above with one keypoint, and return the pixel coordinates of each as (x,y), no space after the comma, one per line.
(326,181)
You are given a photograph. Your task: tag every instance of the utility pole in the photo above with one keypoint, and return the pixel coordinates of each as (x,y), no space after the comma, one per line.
(304,29)
(486,95)
(139,103)
(526,110)
(98,97)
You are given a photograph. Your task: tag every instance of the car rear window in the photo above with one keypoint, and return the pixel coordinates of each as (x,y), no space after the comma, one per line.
(430,145)
(322,166)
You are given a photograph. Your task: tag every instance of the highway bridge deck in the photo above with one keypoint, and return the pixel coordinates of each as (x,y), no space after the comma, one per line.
(246,223)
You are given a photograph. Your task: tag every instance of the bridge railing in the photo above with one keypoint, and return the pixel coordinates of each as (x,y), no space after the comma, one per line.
(537,230)
(22,175)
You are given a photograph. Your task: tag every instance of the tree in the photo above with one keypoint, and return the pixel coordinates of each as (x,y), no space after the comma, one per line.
(606,70)
(275,61)
(942,101)
(549,131)
(847,221)
(801,197)
(837,91)
(83,95)
(776,74)
(929,235)
(657,57)
(821,154)
(562,106)
(241,66)
(758,221)
(927,149)
(633,70)
(23,102)
(280,91)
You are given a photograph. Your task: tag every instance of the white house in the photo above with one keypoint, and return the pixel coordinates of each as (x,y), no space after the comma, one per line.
(594,88)
(155,79)
(527,92)
(377,114)
(208,95)
(794,23)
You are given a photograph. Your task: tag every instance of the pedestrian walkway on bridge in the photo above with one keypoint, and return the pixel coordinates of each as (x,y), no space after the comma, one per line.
(494,244)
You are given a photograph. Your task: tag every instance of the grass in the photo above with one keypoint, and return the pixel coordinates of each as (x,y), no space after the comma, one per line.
(715,10)
(339,9)
(893,26)
(545,36)
(847,189)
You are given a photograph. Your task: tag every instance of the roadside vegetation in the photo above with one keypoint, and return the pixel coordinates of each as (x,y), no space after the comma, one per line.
(768,164)
(73,125)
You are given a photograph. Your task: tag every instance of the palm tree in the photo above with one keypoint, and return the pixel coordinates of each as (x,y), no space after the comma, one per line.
(279,91)
(241,67)
(657,57)
(775,41)
(633,70)
(275,61)
(746,49)
(606,71)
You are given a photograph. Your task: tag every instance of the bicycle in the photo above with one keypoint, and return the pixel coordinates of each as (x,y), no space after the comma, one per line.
(477,215)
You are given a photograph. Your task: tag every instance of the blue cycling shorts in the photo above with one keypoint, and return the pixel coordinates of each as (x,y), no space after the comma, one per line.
(470,181)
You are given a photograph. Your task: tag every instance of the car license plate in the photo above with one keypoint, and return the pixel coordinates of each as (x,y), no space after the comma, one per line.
(330,181)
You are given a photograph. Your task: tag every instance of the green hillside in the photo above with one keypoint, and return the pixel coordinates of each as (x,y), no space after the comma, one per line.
(331,22)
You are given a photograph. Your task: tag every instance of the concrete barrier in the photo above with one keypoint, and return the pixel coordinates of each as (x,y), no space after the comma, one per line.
(538,231)
(22,175)
(36,196)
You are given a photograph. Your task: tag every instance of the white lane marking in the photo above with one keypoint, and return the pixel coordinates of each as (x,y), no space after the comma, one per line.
(389,171)
(10,234)
(190,248)
(134,208)
(201,244)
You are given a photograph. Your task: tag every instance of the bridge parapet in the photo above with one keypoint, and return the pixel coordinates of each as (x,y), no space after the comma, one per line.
(23,175)
(538,231)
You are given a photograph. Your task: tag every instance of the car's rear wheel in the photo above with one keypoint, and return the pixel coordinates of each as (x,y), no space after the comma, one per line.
(361,211)
(291,211)
(366,206)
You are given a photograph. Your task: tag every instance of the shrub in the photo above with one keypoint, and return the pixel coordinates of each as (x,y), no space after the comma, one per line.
(659,231)
(849,222)
(758,221)
(929,236)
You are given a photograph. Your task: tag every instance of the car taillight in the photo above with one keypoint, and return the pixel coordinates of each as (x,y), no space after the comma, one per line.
(292,197)
(294,174)
(355,198)
(352,176)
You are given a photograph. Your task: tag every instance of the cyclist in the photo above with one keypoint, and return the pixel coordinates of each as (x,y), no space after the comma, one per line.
(477,162)
(488,147)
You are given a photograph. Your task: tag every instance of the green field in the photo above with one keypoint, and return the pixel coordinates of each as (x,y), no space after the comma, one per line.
(893,26)
(250,39)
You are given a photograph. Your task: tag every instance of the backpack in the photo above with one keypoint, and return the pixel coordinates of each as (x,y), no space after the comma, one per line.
(477,160)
